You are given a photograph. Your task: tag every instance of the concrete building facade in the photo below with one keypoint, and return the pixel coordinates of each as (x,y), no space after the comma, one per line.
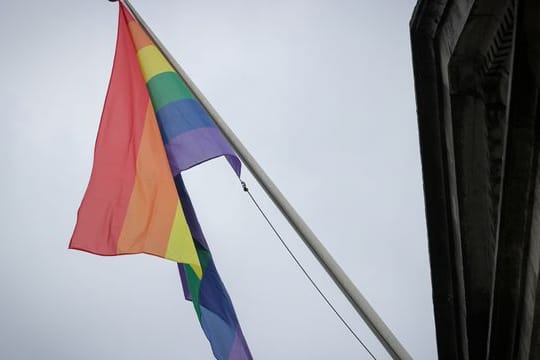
(477,82)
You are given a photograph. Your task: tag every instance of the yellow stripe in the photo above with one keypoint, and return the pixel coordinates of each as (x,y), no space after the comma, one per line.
(181,247)
(152,62)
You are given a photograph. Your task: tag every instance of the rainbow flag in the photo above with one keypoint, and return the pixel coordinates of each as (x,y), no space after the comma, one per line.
(151,129)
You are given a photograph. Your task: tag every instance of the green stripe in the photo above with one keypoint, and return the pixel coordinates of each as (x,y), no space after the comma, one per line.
(194,285)
(204,257)
(166,88)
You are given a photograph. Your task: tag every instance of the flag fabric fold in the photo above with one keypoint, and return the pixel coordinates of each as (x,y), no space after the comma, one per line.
(152,128)
(208,294)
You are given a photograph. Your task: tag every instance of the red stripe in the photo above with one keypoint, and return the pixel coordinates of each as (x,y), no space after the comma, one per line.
(104,207)
(125,11)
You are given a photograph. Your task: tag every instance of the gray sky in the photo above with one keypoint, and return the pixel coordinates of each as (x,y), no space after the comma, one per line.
(321,92)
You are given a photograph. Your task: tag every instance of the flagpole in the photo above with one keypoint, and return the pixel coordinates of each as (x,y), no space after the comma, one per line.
(357,300)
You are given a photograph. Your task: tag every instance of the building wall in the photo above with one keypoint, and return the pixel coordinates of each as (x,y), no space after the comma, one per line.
(476,78)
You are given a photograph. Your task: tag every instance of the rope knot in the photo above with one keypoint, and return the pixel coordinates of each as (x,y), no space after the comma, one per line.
(244,186)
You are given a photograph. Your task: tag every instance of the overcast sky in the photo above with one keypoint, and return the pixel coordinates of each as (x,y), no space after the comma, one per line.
(320,91)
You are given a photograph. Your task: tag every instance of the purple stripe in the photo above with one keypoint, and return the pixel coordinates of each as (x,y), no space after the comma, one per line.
(185,286)
(196,146)
(240,350)
(189,212)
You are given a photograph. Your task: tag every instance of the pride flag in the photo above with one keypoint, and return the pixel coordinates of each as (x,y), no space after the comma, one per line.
(152,128)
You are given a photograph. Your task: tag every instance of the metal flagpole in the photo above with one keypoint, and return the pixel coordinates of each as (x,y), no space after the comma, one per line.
(357,300)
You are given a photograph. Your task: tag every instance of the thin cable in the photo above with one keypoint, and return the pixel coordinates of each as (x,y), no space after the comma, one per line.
(244,186)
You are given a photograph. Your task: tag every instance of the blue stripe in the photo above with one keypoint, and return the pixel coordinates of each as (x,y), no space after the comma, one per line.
(215,298)
(219,333)
(181,116)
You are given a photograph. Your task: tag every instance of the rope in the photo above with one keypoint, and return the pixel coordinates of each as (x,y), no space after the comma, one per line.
(245,188)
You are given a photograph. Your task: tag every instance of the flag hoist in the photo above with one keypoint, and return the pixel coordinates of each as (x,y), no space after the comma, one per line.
(155,124)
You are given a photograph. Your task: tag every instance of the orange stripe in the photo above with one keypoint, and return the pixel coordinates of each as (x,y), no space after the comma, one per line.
(154,199)
(139,36)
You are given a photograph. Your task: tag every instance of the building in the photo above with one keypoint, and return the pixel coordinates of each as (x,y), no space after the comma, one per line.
(477,82)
